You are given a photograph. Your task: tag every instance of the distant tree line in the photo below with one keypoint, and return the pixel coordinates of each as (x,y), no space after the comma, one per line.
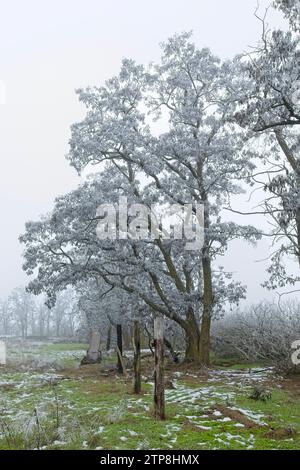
(23,315)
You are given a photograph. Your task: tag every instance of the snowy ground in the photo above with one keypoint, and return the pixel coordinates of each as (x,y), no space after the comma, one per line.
(48,402)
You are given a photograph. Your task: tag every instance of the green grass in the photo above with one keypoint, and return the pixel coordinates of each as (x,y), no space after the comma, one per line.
(58,347)
(233,363)
(89,411)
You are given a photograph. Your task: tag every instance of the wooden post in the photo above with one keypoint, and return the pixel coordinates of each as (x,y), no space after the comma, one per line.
(137,357)
(120,347)
(159,386)
(122,363)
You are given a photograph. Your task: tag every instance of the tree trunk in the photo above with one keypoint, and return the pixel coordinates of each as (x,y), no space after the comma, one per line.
(298,232)
(108,340)
(159,387)
(120,348)
(173,354)
(295,164)
(137,357)
(48,325)
(204,347)
(192,352)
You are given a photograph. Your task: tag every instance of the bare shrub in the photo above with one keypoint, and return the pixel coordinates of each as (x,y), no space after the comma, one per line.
(263,333)
(260,393)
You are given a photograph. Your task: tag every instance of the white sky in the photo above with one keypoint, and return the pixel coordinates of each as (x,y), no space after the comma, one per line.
(48,49)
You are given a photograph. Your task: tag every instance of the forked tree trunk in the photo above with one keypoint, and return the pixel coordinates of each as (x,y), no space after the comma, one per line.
(159,387)
(137,357)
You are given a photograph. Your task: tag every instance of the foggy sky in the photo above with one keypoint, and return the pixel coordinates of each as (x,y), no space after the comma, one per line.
(50,48)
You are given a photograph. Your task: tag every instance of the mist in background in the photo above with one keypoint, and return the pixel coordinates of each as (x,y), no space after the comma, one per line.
(47,50)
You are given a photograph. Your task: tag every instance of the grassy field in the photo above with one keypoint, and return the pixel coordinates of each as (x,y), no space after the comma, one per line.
(48,402)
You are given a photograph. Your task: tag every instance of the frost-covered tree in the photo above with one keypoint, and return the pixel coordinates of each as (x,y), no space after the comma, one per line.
(195,161)
(22,309)
(22,314)
(104,307)
(43,319)
(5,317)
(291,10)
(270,93)
(64,314)
(266,98)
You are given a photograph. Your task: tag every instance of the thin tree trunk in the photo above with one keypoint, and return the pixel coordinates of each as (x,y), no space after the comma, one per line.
(48,325)
(108,340)
(298,231)
(150,342)
(159,387)
(137,357)
(168,345)
(122,362)
(120,347)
